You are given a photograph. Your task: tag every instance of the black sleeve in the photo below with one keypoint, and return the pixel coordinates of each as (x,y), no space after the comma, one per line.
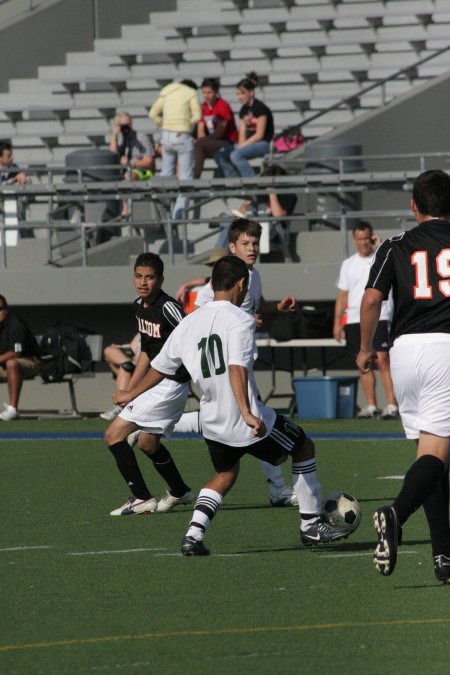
(381,272)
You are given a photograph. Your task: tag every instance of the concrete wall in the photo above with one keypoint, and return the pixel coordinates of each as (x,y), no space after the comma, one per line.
(44,36)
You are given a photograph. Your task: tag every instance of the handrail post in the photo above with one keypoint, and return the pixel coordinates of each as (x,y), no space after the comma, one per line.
(3,243)
(343,229)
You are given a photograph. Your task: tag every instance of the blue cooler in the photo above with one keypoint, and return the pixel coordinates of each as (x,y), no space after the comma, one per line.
(325,397)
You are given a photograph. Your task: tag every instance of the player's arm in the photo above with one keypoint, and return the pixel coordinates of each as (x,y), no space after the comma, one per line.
(339,309)
(370,315)
(150,380)
(180,295)
(287,304)
(239,385)
(142,366)
(8,355)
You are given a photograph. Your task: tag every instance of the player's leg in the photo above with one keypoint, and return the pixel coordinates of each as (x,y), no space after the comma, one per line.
(226,463)
(368,384)
(437,513)
(422,393)
(381,344)
(178,492)
(280,494)
(142,501)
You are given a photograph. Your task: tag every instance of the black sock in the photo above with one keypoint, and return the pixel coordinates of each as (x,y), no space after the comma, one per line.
(166,467)
(436,511)
(129,468)
(420,481)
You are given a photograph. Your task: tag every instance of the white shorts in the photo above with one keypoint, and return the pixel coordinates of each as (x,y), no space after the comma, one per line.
(157,410)
(420,368)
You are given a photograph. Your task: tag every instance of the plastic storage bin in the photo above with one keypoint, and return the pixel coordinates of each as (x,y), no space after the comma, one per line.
(325,397)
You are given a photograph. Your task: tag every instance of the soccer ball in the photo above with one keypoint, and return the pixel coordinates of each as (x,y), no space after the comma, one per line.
(342,510)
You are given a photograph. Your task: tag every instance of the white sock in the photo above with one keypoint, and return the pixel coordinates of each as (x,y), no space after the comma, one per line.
(206,507)
(274,477)
(307,487)
(189,423)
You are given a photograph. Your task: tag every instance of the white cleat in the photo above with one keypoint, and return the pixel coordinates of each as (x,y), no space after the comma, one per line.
(134,506)
(168,502)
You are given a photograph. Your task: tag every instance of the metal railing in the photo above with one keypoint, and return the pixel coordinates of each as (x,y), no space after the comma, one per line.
(55,193)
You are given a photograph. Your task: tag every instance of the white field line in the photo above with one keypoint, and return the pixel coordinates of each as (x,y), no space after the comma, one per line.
(390,477)
(126,550)
(354,555)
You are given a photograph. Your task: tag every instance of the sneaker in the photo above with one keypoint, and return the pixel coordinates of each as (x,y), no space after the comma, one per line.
(132,438)
(442,568)
(9,413)
(390,412)
(389,539)
(134,506)
(111,414)
(286,497)
(167,502)
(369,411)
(321,532)
(190,547)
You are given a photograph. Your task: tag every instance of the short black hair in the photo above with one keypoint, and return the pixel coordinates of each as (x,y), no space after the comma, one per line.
(5,145)
(189,83)
(240,226)
(150,260)
(362,225)
(227,271)
(4,301)
(431,193)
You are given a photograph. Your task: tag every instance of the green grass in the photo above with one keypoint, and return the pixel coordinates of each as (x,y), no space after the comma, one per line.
(260,604)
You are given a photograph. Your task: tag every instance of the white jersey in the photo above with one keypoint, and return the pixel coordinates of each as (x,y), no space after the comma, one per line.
(353,278)
(252,298)
(215,336)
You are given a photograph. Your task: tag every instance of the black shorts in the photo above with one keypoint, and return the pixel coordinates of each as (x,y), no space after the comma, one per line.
(380,340)
(284,439)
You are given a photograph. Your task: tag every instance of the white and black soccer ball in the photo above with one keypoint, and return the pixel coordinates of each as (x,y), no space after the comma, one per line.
(342,510)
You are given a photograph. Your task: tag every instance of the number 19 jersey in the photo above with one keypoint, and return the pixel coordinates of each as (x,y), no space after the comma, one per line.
(207,342)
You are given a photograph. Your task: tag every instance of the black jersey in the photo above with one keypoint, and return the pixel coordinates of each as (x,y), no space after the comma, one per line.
(155,324)
(416,264)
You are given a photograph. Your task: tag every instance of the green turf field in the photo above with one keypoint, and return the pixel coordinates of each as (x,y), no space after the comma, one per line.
(87,593)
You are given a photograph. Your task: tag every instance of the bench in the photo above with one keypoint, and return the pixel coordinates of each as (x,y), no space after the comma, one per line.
(91,351)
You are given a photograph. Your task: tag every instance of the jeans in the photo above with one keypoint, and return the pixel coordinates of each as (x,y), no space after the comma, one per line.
(233,160)
(178,147)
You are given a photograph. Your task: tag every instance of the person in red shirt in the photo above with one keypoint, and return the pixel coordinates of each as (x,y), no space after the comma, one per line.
(216,128)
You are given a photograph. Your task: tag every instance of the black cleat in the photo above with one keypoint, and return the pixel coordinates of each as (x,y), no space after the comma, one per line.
(190,547)
(321,532)
(389,539)
(442,568)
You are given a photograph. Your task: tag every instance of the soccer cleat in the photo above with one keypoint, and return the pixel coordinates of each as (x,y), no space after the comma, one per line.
(370,411)
(389,539)
(191,547)
(9,413)
(111,414)
(442,568)
(167,502)
(390,412)
(134,506)
(321,532)
(132,438)
(286,497)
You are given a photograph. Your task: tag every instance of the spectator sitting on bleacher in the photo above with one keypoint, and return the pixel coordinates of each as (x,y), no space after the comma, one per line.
(216,129)
(255,132)
(135,148)
(9,171)
(19,357)
(122,361)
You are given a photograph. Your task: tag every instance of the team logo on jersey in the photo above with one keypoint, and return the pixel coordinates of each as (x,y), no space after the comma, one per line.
(149,328)
(130,408)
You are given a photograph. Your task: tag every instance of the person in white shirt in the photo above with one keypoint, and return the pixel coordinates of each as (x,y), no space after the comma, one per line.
(243,237)
(216,344)
(351,283)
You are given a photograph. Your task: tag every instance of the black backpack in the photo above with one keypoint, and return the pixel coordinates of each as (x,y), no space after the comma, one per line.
(60,352)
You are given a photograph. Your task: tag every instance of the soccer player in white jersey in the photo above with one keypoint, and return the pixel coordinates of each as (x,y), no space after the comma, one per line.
(216,344)
(243,237)
(416,265)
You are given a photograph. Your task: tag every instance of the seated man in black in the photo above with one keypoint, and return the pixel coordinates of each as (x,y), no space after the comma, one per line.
(18,357)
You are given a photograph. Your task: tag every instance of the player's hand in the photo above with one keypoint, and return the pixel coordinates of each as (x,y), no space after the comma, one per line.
(180,295)
(287,304)
(257,424)
(366,361)
(339,333)
(376,241)
(121,397)
(124,160)
(258,320)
